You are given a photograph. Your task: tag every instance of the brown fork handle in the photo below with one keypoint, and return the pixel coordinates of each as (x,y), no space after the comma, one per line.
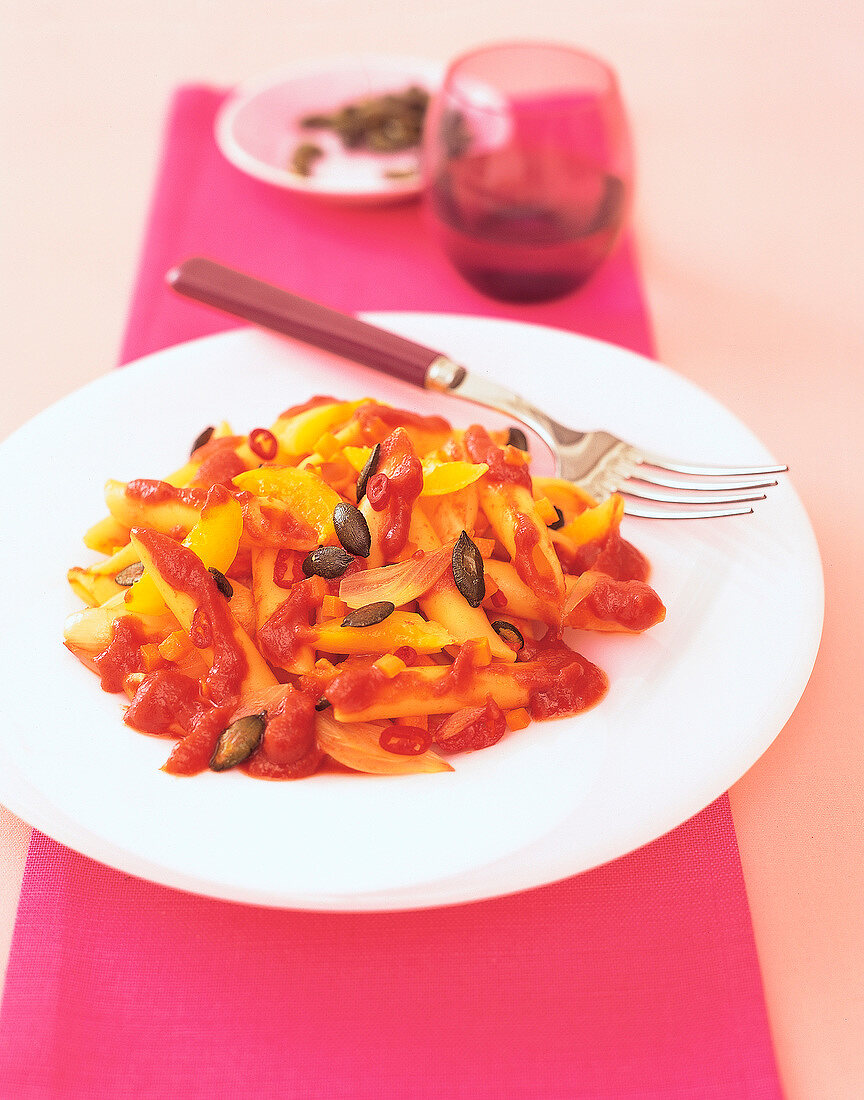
(272,308)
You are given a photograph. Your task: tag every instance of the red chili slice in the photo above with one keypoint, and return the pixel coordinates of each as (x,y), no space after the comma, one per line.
(263,443)
(405,740)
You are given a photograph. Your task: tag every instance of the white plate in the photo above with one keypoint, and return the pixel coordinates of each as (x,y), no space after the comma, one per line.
(693,703)
(258,127)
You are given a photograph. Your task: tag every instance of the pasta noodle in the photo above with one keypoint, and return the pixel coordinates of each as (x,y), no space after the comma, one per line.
(355,587)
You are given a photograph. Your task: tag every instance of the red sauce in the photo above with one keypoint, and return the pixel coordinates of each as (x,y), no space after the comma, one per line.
(369,416)
(631,604)
(193,752)
(164,699)
(486,728)
(274,524)
(460,673)
(312,403)
(621,560)
(122,655)
(288,628)
(613,556)
(185,571)
(159,492)
(288,749)
(481,448)
(222,442)
(527,537)
(561,681)
(220,467)
(355,689)
(568,690)
(399,462)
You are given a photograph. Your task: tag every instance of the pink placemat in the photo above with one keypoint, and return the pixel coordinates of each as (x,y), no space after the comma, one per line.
(638,979)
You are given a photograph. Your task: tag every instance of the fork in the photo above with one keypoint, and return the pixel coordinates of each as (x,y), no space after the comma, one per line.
(653,486)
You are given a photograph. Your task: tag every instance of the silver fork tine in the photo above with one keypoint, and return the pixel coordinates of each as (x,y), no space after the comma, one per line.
(647,512)
(706,484)
(663,463)
(661,495)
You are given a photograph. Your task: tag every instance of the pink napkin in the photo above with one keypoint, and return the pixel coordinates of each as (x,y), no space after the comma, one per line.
(638,979)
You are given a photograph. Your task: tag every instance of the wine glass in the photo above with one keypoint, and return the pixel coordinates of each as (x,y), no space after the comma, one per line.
(527,168)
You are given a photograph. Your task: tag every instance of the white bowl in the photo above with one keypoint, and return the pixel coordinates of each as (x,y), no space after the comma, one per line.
(258,127)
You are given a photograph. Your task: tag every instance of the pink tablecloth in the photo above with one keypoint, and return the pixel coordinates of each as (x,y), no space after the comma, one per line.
(639,979)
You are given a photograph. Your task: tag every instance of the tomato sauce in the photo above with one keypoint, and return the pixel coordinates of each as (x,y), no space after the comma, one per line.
(289,627)
(151,491)
(371,416)
(561,681)
(612,555)
(527,538)
(399,464)
(312,403)
(481,448)
(122,655)
(631,604)
(485,728)
(220,467)
(216,444)
(185,571)
(459,674)
(288,749)
(165,699)
(192,753)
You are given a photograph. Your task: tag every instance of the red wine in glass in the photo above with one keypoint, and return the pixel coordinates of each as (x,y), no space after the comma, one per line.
(527,168)
(516,248)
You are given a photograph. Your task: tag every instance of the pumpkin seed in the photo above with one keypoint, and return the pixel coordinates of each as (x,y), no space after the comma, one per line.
(222,583)
(516,438)
(367,471)
(327,562)
(130,574)
(352,529)
(237,742)
(304,158)
(468,570)
(508,633)
(203,438)
(559,522)
(370,615)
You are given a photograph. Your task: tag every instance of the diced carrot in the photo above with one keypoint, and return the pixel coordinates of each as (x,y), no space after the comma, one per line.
(517,719)
(334,608)
(390,665)
(151,656)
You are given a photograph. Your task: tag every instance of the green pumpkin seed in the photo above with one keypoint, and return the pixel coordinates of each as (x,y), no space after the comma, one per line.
(130,574)
(370,615)
(468,570)
(328,562)
(222,583)
(352,529)
(516,438)
(559,522)
(508,633)
(203,438)
(238,742)
(367,471)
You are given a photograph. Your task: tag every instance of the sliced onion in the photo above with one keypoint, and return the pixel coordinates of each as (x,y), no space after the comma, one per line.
(398,584)
(457,722)
(357,745)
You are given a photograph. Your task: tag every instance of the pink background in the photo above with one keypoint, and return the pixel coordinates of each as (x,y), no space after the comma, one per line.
(747,121)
